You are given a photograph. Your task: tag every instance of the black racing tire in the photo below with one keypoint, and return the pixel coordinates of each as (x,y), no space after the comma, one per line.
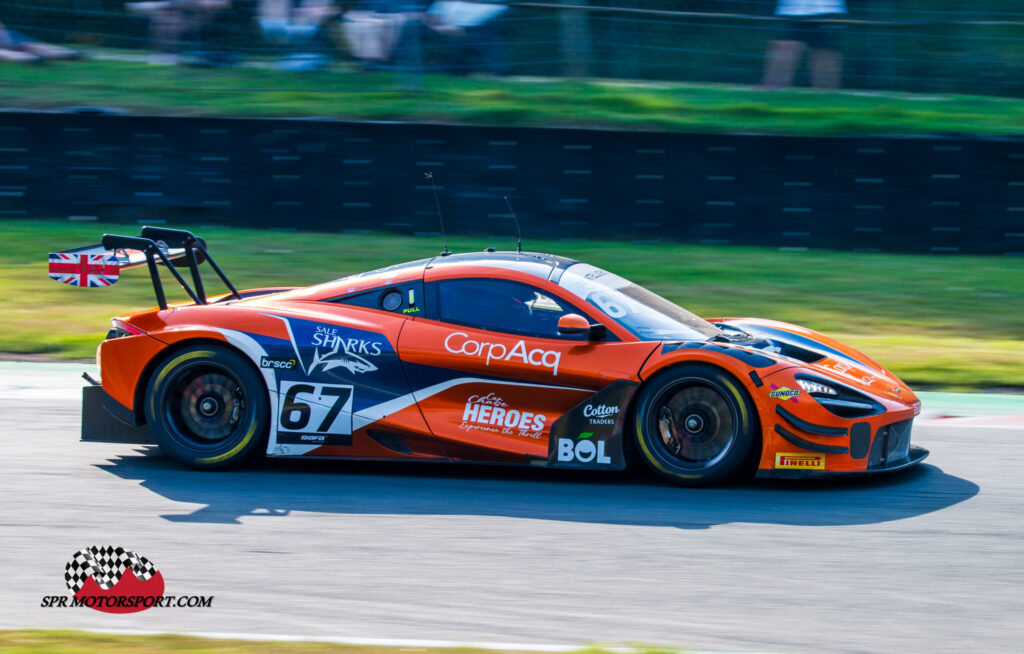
(695,425)
(207,407)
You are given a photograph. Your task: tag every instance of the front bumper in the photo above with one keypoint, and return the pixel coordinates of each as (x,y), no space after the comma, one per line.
(915,455)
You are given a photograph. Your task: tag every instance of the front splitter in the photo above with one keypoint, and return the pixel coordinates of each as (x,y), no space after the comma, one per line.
(917,455)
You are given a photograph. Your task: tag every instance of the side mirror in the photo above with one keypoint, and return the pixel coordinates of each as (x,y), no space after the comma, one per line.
(573,324)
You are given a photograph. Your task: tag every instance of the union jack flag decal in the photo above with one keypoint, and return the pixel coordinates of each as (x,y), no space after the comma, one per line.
(84,269)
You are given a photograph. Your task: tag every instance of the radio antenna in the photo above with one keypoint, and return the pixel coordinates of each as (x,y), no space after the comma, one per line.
(440,219)
(519,232)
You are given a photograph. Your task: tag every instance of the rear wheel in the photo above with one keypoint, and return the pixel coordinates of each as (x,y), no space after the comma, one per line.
(695,425)
(207,407)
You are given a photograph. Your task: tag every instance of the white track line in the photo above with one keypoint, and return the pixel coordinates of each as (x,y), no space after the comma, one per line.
(401,642)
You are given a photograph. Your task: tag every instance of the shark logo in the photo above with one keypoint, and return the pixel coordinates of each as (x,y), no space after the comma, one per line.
(340,358)
(333,346)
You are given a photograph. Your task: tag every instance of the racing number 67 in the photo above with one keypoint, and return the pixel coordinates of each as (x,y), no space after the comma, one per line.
(296,414)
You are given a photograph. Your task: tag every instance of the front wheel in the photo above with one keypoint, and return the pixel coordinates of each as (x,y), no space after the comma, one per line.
(695,425)
(207,407)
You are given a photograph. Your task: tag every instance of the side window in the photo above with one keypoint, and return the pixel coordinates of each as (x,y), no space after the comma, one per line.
(406,299)
(501,306)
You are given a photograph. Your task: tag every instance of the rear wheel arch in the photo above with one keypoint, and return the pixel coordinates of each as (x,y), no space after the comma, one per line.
(139,405)
(207,404)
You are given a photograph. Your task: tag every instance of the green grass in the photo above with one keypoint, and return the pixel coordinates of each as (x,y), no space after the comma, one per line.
(81,642)
(950,322)
(345,93)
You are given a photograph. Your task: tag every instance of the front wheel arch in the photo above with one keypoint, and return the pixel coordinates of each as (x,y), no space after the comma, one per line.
(743,462)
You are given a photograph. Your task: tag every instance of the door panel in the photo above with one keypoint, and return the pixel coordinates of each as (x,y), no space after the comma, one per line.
(341,389)
(481,390)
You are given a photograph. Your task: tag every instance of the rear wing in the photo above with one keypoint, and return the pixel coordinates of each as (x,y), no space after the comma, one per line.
(101,264)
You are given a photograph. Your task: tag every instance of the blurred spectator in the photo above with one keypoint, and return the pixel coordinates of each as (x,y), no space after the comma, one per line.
(804,29)
(298,25)
(173,23)
(473,30)
(375,28)
(395,32)
(15,46)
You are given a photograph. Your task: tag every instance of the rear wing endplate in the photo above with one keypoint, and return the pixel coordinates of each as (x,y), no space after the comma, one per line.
(101,264)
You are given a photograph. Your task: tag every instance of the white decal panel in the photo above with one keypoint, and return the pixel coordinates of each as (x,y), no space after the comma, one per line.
(314,413)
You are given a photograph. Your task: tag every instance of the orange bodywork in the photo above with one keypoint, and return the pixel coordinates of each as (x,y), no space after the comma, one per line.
(426,388)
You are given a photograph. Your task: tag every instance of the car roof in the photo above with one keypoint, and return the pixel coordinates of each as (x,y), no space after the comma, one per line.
(535,263)
(545,266)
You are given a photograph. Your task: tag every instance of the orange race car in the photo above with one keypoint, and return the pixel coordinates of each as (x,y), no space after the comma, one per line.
(497,357)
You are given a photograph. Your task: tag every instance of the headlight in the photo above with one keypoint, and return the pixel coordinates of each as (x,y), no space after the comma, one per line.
(816,388)
(839,398)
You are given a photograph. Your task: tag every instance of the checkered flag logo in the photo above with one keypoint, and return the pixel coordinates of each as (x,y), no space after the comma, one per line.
(106,565)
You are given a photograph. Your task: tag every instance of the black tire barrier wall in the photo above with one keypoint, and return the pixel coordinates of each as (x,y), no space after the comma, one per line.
(946,195)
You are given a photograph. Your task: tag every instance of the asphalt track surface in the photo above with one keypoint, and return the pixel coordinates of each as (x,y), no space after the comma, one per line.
(928,560)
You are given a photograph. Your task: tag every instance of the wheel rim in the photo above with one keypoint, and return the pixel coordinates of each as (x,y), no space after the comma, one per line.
(696,425)
(206,405)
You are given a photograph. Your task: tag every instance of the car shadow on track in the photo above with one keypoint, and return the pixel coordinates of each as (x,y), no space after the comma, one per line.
(633,497)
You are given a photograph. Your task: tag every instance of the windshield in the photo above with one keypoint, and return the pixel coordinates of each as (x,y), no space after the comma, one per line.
(646,315)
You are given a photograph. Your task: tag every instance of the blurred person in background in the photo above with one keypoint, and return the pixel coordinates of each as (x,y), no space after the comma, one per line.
(375,28)
(805,29)
(174,23)
(299,25)
(17,47)
(473,33)
(461,36)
